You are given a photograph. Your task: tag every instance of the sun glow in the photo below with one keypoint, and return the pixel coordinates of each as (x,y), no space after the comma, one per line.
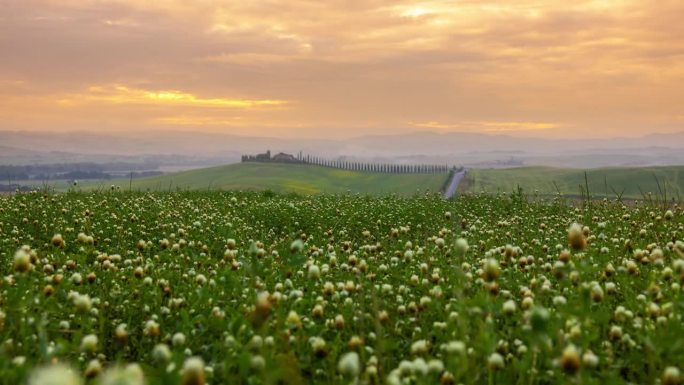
(119,94)
(416,12)
(489,126)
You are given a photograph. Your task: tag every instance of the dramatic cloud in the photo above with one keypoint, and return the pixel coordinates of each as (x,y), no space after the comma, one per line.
(343,68)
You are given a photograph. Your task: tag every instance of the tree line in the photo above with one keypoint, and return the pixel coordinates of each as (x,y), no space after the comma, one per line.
(358,166)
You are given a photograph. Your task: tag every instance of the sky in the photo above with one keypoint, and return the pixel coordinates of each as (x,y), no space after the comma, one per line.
(344,68)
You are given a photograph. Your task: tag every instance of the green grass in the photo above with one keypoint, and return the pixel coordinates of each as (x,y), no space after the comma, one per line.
(481,289)
(602,182)
(284,178)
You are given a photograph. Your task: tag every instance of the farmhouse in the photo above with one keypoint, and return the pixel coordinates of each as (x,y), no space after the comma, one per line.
(280,157)
(265,156)
(283,157)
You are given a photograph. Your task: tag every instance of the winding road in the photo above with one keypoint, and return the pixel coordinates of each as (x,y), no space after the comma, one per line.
(453,184)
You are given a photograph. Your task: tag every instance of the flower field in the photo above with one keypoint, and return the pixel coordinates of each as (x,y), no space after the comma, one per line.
(200,288)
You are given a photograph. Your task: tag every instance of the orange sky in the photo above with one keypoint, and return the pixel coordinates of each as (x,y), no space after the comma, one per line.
(340,68)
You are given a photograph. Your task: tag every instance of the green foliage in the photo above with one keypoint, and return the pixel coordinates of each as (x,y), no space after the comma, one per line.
(251,279)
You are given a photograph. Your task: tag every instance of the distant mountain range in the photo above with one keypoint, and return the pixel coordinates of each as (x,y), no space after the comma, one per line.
(470,149)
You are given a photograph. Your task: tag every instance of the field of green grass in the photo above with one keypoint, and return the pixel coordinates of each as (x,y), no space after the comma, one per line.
(602,182)
(230,287)
(284,178)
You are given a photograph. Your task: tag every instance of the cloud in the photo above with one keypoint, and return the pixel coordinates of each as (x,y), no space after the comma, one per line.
(120,94)
(604,67)
(518,126)
(488,126)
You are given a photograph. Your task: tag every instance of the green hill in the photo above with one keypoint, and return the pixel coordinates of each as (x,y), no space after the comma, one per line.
(632,181)
(304,179)
(307,179)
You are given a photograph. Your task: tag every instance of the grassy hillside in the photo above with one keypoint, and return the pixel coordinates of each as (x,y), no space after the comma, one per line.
(286,178)
(601,181)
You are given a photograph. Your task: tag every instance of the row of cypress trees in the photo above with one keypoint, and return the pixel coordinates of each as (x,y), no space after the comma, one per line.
(356,166)
(378,167)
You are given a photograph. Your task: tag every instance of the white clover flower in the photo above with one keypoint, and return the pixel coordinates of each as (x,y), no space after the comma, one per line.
(89,343)
(57,240)
(509,307)
(22,261)
(178,339)
(570,359)
(527,302)
(83,303)
(257,363)
(671,376)
(495,362)
(349,365)
(121,332)
(596,293)
(64,325)
(297,246)
(193,371)
(161,353)
(293,319)
(576,236)
(461,246)
(405,368)
(491,270)
(435,366)
(455,347)
(76,278)
(419,347)
(318,345)
(93,369)
(420,366)
(256,342)
(590,360)
(151,328)
(54,375)
(314,272)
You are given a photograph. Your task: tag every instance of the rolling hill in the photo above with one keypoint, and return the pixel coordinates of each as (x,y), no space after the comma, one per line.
(303,179)
(307,179)
(631,181)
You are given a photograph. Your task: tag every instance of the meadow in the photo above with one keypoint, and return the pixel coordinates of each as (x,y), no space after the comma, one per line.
(197,288)
(625,182)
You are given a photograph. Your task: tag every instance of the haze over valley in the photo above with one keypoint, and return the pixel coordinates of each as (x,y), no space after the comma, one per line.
(172,150)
